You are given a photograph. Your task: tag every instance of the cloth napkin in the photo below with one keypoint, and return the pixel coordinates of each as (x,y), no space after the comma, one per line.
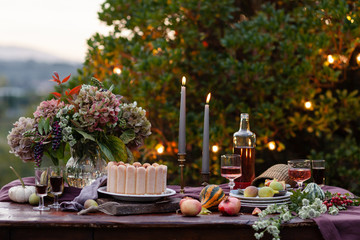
(68,195)
(88,192)
(345,225)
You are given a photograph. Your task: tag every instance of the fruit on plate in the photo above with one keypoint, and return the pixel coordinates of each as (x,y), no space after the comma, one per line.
(190,207)
(230,206)
(211,196)
(267,192)
(278,186)
(250,191)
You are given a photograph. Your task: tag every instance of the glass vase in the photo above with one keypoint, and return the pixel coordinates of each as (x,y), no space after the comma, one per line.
(85,164)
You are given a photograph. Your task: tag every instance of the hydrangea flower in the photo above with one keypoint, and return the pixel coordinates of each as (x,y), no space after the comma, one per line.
(20,145)
(96,109)
(48,109)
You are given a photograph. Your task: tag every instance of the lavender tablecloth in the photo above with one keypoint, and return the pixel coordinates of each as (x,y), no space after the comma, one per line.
(344,226)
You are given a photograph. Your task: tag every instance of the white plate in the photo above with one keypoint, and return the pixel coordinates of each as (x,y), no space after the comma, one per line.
(137,198)
(235,193)
(261,205)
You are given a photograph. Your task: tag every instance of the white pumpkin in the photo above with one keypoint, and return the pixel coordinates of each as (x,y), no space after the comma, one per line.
(21,194)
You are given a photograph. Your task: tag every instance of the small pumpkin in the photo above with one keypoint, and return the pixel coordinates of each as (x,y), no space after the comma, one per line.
(314,191)
(211,196)
(20,193)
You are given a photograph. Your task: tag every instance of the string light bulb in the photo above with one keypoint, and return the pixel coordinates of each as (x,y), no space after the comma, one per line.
(215,148)
(117,70)
(160,148)
(358,59)
(308,105)
(330,59)
(272,146)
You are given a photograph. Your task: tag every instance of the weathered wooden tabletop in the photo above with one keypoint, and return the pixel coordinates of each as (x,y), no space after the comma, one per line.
(20,221)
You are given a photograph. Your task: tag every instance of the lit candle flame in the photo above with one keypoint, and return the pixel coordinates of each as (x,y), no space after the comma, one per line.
(183,80)
(208,98)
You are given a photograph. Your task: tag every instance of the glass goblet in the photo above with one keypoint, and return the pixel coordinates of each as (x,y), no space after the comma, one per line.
(56,183)
(41,184)
(231,168)
(299,170)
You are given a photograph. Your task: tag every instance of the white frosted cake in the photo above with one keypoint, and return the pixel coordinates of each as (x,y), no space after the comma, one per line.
(136,179)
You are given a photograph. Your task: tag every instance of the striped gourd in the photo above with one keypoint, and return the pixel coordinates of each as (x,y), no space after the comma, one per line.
(314,191)
(211,196)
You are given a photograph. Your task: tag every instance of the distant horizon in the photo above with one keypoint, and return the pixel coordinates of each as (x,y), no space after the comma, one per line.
(34,54)
(59,28)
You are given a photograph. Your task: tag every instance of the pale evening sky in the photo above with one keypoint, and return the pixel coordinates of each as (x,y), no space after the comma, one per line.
(60,28)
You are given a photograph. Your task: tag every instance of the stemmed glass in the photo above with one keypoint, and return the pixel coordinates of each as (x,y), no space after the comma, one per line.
(299,170)
(41,184)
(56,182)
(231,168)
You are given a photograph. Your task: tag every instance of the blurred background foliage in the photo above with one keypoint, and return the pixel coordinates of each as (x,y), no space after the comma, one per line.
(292,65)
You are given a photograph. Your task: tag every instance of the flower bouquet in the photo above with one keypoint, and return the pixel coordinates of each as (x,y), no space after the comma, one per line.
(93,121)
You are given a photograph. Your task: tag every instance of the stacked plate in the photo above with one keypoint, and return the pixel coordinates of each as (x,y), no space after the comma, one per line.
(261,202)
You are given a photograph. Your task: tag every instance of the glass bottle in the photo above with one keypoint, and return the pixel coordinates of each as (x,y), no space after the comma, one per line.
(244,142)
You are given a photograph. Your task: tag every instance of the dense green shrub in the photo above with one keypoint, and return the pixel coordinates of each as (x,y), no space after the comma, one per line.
(267,59)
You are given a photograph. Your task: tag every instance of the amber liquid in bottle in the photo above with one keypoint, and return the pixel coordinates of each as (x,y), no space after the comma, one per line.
(244,144)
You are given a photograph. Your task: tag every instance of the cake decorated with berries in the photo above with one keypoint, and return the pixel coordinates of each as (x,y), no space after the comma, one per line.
(136,178)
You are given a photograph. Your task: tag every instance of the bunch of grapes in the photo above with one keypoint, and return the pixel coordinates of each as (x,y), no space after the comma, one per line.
(38,153)
(57,136)
(339,200)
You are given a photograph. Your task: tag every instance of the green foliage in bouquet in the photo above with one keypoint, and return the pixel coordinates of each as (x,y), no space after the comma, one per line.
(84,117)
(292,65)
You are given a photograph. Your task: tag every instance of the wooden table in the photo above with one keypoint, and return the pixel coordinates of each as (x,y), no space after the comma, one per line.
(19,221)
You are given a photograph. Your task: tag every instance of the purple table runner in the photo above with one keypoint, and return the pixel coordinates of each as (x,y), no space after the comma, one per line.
(344,226)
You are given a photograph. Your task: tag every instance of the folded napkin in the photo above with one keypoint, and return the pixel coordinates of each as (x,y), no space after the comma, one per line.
(88,192)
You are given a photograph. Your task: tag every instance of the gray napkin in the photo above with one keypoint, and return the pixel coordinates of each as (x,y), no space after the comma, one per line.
(88,192)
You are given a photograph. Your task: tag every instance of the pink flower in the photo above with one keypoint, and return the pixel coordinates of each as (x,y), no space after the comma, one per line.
(48,109)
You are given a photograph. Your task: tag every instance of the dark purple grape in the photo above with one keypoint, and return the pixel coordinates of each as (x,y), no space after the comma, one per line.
(38,153)
(57,136)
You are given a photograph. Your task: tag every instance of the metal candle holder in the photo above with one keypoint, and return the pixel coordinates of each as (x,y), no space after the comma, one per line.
(181,160)
(205,178)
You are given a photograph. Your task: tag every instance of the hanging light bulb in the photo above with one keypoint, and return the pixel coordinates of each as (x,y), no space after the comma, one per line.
(117,70)
(272,145)
(330,59)
(358,59)
(308,105)
(160,148)
(215,148)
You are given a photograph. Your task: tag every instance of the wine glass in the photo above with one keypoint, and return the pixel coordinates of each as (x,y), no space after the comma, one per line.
(41,184)
(56,182)
(299,170)
(231,168)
